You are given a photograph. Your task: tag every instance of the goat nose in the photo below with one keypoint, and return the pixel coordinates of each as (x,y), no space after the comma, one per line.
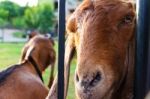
(89,81)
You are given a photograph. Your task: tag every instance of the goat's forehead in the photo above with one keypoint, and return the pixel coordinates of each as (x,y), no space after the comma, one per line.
(107,4)
(104,6)
(114,1)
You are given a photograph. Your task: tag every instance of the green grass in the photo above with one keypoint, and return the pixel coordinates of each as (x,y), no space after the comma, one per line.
(10,54)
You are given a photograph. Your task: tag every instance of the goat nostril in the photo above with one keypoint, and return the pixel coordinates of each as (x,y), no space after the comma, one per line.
(90,82)
(98,76)
(96,79)
(77,78)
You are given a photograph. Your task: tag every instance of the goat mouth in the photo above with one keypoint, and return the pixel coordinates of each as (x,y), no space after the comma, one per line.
(85,95)
(91,95)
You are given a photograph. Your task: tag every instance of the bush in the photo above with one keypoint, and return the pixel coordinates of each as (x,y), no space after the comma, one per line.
(46,17)
(40,18)
(3,23)
(14,10)
(9,12)
(4,14)
(19,23)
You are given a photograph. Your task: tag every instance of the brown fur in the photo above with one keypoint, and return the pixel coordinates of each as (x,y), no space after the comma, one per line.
(102,32)
(24,82)
(32,34)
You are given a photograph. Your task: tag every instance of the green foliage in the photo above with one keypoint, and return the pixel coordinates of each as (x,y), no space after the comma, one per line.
(4,14)
(40,18)
(19,23)
(31,18)
(10,14)
(13,9)
(3,17)
(46,18)
(3,23)
(45,1)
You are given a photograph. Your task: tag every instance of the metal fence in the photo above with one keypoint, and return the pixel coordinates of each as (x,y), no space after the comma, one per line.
(142,66)
(61,49)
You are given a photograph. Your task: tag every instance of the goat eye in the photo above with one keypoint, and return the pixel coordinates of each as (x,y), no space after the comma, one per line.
(127,19)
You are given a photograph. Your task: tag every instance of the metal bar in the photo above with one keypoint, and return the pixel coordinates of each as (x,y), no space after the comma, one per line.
(142,49)
(61,49)
(148,58)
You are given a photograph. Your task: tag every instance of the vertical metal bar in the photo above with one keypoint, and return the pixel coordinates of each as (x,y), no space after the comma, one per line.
(142,49)
(61,49)
(148,53)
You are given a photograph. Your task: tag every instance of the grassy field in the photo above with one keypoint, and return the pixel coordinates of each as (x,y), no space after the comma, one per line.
(10,54)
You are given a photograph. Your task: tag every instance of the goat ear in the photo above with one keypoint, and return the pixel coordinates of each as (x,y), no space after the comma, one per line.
(69,53)
(49,36)
(71,24)
(29,52)
(70,50)
(52,62)
(23,53)
(26,52)
(33,34)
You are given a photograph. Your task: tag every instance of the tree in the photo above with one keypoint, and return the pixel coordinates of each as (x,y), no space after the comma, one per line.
(32,18)
(3,22)
(40,18)
(19,23)
(11,13)
(13,9)
(46,17)
(4,14)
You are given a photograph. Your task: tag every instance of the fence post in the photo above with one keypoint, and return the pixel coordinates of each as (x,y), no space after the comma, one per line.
(141,65)
(61,49)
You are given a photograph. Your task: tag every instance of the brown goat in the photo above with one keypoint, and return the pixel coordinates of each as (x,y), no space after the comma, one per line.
(24,80)
(102,32)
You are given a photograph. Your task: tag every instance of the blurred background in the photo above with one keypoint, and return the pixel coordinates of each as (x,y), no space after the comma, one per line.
(21,18)
(18,18)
